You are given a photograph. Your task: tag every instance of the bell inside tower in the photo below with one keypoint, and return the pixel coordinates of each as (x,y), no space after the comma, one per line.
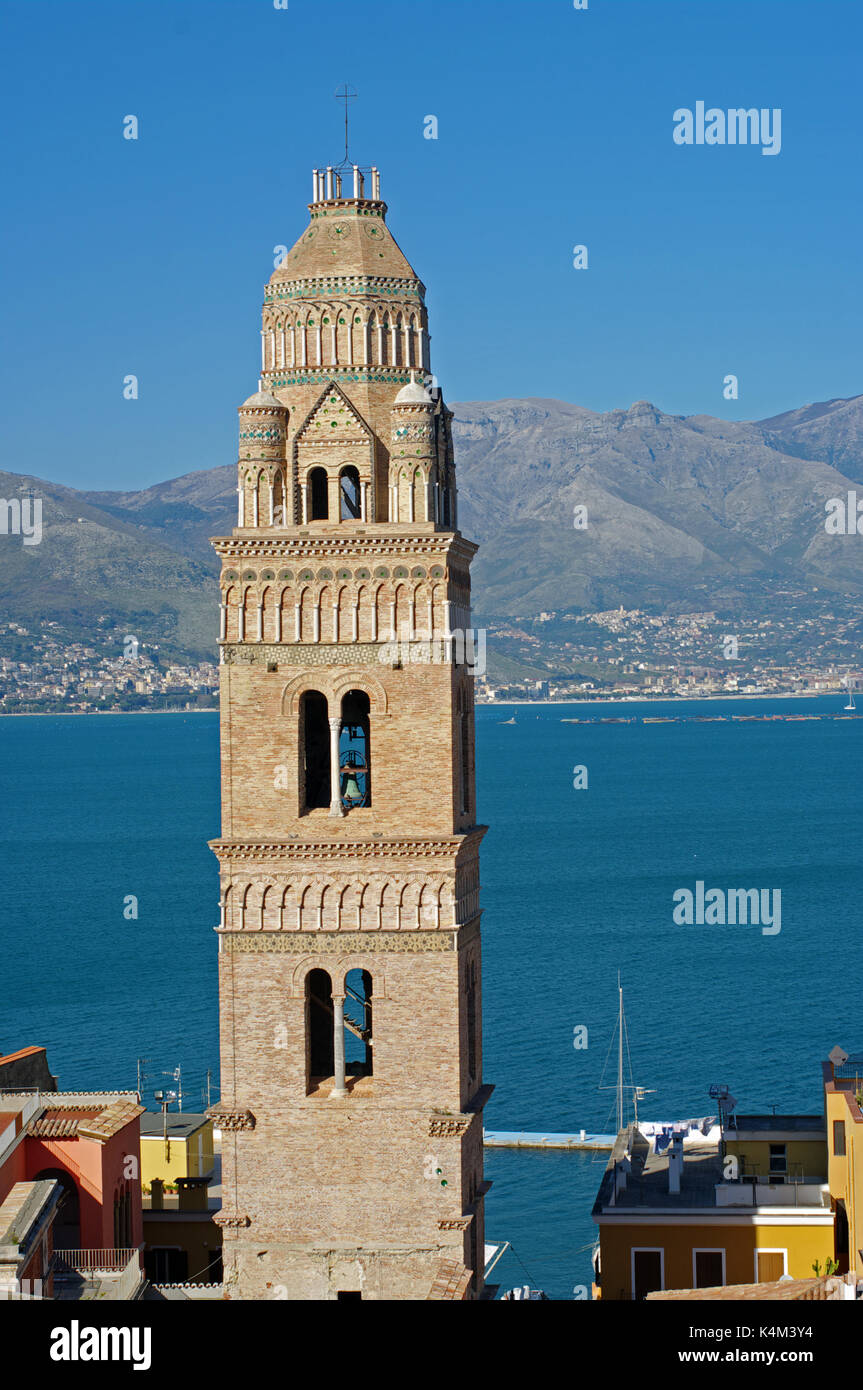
(355,751)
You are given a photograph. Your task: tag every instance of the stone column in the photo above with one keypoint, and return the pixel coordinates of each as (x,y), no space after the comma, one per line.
(336,808)
(241,501)
(364,505)
(223,622)
(339,1090)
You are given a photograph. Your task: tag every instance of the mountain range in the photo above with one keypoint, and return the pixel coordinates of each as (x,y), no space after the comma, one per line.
(676,512)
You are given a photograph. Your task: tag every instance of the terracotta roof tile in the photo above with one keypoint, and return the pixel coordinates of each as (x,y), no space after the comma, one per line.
(451,1282)
(789,1290)
(111,1120)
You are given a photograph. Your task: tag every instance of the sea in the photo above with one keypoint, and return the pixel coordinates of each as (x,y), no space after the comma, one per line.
(109,893)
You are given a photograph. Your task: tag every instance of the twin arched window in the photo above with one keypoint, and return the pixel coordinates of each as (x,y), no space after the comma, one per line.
(338,1031)
(351,786)
(350,495)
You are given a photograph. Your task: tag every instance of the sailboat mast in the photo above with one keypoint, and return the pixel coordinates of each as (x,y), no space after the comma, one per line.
(619,1055)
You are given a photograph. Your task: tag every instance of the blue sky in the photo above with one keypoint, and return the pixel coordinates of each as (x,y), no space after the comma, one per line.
(555,129)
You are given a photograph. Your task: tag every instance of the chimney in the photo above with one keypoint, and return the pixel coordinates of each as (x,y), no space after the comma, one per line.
(329,181)
(315,188)
(192,1194)
(376,182)
(357,193)
(675,1163)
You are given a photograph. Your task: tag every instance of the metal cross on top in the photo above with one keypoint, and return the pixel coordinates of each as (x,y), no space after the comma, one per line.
(347,95)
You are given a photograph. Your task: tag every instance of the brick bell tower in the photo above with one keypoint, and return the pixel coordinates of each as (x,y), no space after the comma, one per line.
(349,943)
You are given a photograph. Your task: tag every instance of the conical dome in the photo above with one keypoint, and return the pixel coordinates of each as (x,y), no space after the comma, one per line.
(414,394)
(262,400)
(345,239)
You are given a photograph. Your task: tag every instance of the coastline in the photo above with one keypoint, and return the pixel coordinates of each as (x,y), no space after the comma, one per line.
(667,699)
(84,713)
(480,704)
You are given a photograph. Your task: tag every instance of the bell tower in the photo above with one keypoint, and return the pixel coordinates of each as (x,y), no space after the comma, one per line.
(349,942)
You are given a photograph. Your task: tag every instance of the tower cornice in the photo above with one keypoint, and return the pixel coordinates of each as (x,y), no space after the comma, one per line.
(230,851)
(380,541)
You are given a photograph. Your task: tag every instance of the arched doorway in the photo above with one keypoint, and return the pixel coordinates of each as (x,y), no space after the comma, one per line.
(67,1222)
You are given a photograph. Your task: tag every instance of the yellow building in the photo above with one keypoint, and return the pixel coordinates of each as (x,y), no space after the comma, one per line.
(778,1149)
(186,1152)
(682,1220)
(843,1091)
(182,1241)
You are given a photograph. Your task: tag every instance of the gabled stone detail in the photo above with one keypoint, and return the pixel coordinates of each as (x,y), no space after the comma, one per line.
(327,424)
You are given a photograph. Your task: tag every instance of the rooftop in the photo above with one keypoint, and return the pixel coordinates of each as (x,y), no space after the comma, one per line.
(181,1123)
(790,1124)
(637,1179)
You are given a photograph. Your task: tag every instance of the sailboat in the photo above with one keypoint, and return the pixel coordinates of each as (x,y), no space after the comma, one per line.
(699,1131)
(850,705)
(621,1086)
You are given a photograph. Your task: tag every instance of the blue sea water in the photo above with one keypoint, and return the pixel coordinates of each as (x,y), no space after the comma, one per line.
(577,884)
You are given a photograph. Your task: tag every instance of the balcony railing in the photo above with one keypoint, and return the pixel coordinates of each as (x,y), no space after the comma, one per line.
(87,1262)
(757,1192)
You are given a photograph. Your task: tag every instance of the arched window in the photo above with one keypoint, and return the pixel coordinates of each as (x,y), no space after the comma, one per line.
(319,507)
(279,514)
(349,494)
(314,751)
(358,1023)
(355,751)
(320,1055)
